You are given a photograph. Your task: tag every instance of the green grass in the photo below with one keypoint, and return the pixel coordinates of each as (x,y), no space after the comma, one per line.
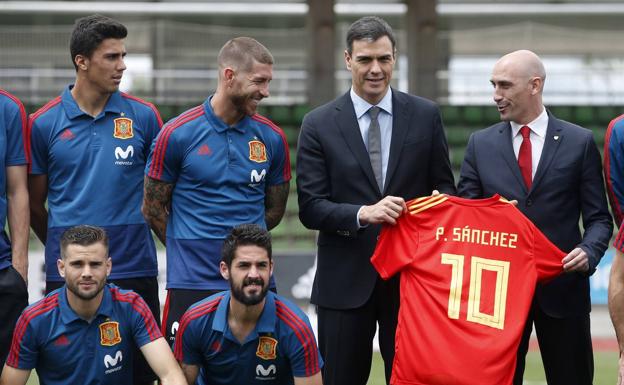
(604,372)
(605,369)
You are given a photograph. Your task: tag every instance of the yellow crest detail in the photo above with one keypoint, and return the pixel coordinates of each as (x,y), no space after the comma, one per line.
(109,333)
(123,128)
(267,348)
(257,151)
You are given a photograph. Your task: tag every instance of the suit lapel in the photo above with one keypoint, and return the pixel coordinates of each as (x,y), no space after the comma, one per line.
(400,126)
(506,150)
(348,126)
(553,138)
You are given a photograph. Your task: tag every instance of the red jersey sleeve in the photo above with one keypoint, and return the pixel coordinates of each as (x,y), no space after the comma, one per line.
(547,256)
(396,247)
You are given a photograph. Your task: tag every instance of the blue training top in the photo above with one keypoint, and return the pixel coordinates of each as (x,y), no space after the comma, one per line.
(13,152)
(95,168)
(281,346)
(220,175)
(66,350)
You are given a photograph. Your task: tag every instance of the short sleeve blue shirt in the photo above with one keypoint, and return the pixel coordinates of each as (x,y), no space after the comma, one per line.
(282,345)
(94,168)
(67,350)
(13,125)
(220,175)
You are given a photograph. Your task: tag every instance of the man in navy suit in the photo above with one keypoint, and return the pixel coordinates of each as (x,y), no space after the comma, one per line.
(552,168)
(360,157)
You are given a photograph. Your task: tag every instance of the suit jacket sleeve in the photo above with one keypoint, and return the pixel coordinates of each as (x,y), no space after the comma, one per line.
(595,213)
(441,172)
(316,210)
(469,185)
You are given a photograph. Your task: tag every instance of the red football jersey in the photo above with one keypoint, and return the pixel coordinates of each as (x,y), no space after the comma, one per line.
(468,274)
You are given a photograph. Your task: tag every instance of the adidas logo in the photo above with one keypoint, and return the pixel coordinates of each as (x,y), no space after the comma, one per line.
(204,150)
(67,134)
(61,341)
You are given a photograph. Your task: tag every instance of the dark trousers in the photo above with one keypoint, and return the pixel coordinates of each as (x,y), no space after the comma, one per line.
(147,288)
(346,336)
(565,346)
(13,299)
(178,300)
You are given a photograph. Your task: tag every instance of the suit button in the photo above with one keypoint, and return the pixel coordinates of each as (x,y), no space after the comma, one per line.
(529,202)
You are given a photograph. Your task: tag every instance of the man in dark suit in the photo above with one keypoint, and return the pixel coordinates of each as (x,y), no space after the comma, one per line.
(552,168)
(360,158)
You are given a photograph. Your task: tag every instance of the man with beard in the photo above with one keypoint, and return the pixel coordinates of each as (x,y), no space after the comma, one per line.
(214,167)
(86,331)
(247,335)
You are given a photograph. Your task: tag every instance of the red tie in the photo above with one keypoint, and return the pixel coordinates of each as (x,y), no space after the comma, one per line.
(524,156)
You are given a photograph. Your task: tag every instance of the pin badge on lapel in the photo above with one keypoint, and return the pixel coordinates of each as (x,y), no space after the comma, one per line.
(556,137)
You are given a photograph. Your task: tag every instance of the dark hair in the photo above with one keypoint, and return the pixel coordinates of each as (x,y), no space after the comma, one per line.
(245,235)
(240,53)
(369,28)
(83,235)
(90,31)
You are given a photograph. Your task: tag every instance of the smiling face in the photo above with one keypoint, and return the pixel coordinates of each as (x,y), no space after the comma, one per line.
(250,87)
(248,274)
(517,88)
(104,69)
(371,64)
(85,269)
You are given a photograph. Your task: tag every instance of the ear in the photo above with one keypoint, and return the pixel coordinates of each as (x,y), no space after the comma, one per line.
(109,266)
(271,267)
(60,265)
(228,75)
(348,59)
(225,272)
(536,85)
(82,62)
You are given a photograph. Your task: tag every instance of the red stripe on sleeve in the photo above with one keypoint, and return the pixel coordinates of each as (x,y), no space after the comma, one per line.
(150,105)
(47,304)
(31,121)
(139,305)
(607,170)
(303,333)
(274,127)
(188,316)
(156,168)
(24,119)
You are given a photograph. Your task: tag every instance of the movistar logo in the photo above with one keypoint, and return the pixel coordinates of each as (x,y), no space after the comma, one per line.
(113,361)
(257,177)
(124,154)
(265,372)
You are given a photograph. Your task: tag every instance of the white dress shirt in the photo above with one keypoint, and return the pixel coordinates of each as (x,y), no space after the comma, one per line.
(361,107)
(538,136)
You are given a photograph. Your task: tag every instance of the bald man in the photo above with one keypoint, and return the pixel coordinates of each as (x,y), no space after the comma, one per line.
(552,168)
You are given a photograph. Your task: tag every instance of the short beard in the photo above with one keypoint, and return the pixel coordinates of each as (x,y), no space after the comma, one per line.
(77,293)
(249,300)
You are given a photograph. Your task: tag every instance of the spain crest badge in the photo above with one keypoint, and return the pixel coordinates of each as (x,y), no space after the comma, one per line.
(267,348)
(257,151)
(109,333)
(123,128)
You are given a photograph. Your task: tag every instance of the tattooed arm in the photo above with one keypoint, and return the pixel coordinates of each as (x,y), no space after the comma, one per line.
(275,204)
(156,205)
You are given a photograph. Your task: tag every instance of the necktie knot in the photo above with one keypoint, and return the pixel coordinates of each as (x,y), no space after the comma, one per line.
(525,131)
(373,112)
